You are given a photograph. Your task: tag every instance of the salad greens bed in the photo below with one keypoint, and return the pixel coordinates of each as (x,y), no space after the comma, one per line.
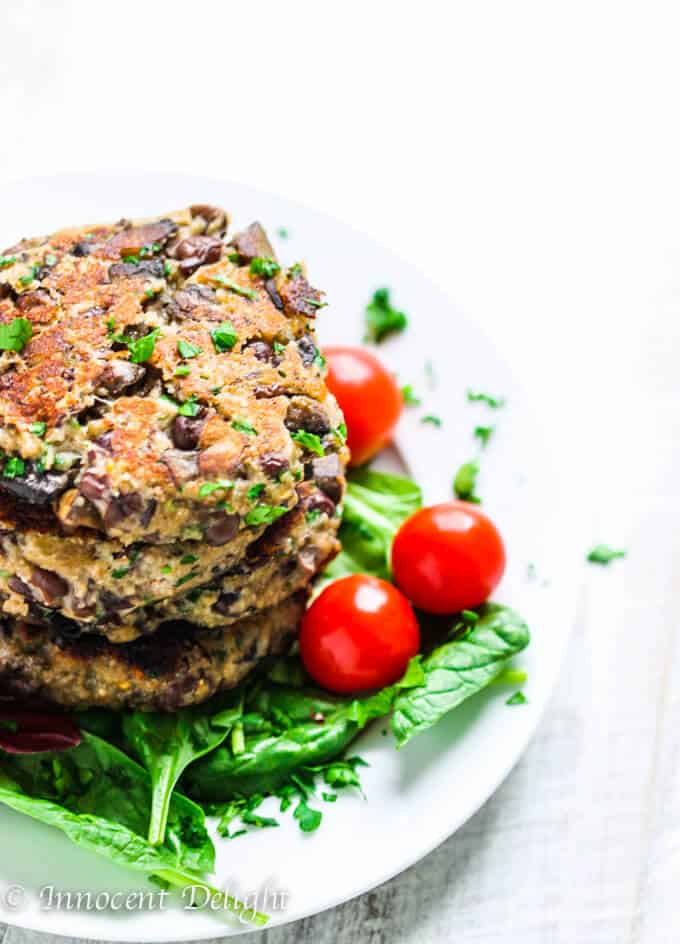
(138,787)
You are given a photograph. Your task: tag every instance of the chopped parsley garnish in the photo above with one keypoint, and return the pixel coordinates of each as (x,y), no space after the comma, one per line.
(278,348)
(410,399)
(340,433)
(38,429)
(264,514)
(320,360)
(150,293)
(603,554)
(294,271)
(465,482)
(15,335)
(432,420)
(27,279)
(167,269)
(13,467)
(313,515)
(45,461)
(315,302)
(6,261)
(483,434)
(243,426)
(208,488)
(382,319)
(308,440)
(187,350)
(494,402)
(133,555)
(224,337)
(511,676)
(183,370)
(186,578)
(142,349)
(308,818)
(255,491)
(166,569)
(235,287)
(188,559)
(519,698)
(190,407)
(264,266)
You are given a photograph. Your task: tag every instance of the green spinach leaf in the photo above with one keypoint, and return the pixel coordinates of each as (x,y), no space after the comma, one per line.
(116,842)
(375,506)
(287,729)
(166,744)
(460,668)
(97,779)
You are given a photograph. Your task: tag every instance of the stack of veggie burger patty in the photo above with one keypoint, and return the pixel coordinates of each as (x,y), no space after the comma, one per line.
(172,460)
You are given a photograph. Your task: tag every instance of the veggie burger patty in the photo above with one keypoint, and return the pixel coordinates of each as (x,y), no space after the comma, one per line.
(191,664)
(170,455)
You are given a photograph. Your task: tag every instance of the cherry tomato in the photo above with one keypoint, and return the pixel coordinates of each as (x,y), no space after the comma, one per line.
(359,634)
(369,397)
(447,558)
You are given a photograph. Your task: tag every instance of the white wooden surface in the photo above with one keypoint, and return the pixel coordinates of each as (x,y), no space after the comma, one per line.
(526,155)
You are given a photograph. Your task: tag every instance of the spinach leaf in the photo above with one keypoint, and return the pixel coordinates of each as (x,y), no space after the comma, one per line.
(268,759)
(116,842)
(375,506)
(460,668)
(289,739)
(166,744)
(287,729)
(96,779)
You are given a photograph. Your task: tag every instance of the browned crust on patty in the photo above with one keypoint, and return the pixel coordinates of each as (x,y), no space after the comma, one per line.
(184,668)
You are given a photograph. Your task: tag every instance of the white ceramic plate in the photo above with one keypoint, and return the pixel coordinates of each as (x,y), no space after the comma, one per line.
(414,798)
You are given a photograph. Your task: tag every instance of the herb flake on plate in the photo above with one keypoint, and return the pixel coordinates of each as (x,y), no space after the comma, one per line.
(382,319)
(603,554)
(465,482)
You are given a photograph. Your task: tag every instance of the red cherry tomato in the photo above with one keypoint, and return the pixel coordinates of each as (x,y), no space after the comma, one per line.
(358,634)
(369,397)
(447,558)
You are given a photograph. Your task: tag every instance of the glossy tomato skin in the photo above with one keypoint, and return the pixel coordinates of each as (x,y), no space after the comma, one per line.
(359,634)
(368,395)
(448,557)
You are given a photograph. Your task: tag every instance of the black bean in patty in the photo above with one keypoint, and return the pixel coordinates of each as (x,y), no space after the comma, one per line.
(186,431)
(223,530)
